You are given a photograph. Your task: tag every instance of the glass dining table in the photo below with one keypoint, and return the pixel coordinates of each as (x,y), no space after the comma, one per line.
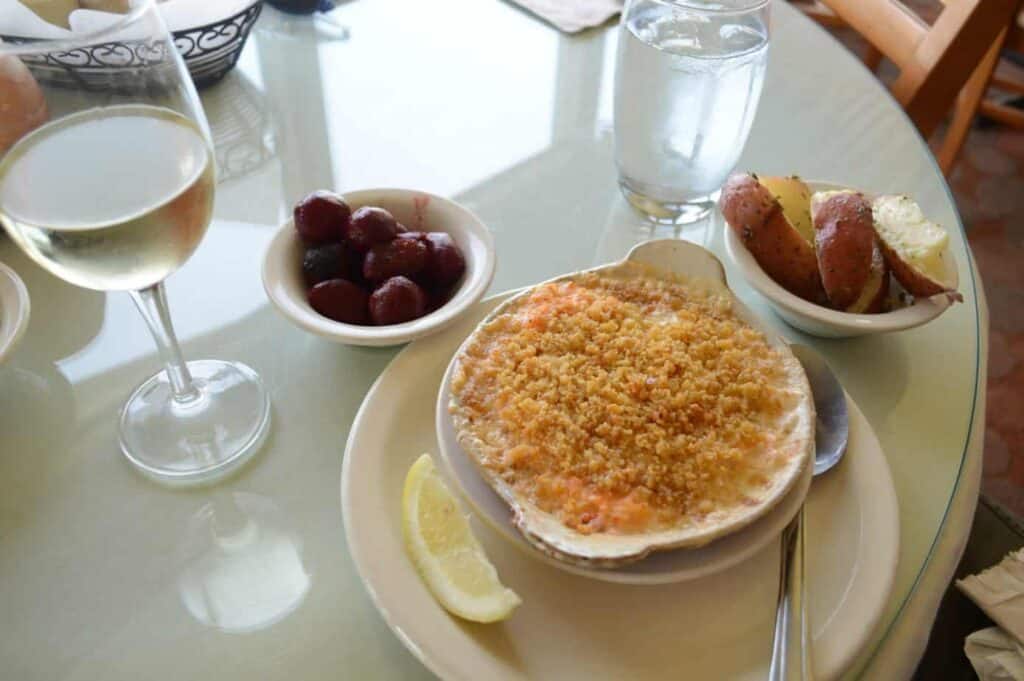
(103,573)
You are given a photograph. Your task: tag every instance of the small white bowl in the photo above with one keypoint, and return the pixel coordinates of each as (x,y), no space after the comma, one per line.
(14,310)
(822,321)
(282,267)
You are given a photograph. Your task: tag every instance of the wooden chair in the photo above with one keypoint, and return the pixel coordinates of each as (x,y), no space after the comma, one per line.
(972,98)
(1000,112)
(950,62)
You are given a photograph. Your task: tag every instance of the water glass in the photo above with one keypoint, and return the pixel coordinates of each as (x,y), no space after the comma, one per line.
(687,83)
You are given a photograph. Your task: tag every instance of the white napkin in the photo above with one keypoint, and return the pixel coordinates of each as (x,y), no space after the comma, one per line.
(997,653)
(573,15)
(999,591)
(16,19)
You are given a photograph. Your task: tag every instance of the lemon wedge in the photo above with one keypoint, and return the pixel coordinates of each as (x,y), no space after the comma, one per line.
(445,552)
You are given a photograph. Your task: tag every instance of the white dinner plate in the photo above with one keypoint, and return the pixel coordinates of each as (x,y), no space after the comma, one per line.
(571,627)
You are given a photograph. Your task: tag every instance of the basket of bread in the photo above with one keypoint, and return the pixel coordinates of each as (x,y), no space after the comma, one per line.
(209,35)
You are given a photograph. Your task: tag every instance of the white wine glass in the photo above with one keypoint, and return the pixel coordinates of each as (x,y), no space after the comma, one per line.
(107,181)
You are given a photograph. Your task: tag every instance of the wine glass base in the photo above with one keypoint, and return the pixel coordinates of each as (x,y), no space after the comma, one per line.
(203,439)
(667,212)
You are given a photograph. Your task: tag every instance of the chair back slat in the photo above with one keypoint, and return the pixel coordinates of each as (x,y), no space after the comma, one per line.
(934,62)
(893,29)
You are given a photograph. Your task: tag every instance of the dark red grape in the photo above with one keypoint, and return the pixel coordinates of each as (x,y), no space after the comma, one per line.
(321,217)
(330,261)
(446,263)
(397,300)
(340,300)
(399,257)
(370,225)
(437,296)
(353,265)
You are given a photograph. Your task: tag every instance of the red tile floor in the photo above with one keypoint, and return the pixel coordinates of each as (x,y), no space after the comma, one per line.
(989,186)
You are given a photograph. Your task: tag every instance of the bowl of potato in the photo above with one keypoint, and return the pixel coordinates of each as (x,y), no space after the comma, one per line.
(837,262)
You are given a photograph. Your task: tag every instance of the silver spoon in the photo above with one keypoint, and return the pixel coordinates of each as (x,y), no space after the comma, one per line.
(791,657)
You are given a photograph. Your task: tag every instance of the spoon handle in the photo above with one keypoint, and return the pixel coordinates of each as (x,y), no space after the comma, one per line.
(791,645)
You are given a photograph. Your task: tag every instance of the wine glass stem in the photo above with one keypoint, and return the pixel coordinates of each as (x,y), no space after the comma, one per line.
(152,303)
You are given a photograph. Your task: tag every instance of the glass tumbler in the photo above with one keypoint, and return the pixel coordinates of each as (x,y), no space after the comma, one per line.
(687,82)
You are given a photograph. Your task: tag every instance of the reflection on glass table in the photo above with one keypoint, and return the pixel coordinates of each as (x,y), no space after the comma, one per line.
(241,127)
(25,391)
(625,228)
(243,567)
(298,19)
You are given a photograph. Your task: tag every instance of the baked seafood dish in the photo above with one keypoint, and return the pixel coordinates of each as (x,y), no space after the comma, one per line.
(626,410)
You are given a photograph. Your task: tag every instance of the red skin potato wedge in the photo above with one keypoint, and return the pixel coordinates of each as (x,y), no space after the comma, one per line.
(917,283)
(784,255)
(876,290)
(844,237)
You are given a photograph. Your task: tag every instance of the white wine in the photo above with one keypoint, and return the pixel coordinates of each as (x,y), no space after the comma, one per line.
(112,198)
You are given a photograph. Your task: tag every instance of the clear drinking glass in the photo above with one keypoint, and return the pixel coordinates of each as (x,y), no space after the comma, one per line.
(687,83)
(107,181)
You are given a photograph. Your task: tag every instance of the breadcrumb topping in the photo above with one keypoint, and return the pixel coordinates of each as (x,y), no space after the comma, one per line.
(625,404)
